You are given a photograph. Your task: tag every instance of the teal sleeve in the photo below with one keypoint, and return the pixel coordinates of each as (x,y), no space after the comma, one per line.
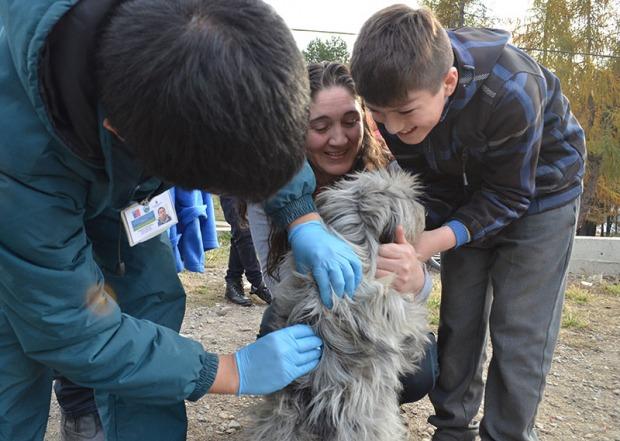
(64,314)
(293,200)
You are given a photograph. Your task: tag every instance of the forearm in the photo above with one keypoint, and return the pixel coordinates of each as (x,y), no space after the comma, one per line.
(305,218)
(227,377)
(435,241)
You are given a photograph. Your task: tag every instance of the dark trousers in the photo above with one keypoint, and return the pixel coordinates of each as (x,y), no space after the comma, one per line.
(242,257)
(74,400)
(511,289)
(415,385)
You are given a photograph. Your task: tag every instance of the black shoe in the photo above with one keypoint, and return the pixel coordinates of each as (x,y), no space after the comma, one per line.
(262,292)
(82,428)
(234,293)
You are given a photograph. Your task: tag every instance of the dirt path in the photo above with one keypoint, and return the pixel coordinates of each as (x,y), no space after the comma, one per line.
(582,396)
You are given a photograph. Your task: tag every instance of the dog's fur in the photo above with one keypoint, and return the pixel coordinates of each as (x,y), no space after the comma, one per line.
(368,341)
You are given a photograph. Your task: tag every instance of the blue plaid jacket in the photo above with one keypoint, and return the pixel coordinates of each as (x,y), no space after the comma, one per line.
(507,143)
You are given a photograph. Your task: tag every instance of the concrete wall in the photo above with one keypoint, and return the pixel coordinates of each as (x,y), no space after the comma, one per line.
(596,255)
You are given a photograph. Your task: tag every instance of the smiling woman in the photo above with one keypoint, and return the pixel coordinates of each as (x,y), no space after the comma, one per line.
(335,134)
(337,137)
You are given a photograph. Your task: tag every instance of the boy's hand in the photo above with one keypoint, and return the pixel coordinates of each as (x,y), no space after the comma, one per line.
(400,258)
(435,241)
(334,265)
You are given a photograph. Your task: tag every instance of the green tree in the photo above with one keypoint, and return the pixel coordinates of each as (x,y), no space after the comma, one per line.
(334,49)
(459,13)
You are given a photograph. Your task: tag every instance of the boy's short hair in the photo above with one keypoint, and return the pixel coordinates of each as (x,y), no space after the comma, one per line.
(400,49)
(209,94)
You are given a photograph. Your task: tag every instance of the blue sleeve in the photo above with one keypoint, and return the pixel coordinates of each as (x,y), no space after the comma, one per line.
(460,231)
(294,199)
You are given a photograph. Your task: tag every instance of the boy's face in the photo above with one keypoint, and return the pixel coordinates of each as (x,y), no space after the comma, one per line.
(413,119)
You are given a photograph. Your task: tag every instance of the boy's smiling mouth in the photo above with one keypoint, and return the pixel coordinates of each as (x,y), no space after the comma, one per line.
(407,132)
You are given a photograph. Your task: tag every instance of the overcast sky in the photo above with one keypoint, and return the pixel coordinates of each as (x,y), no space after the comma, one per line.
(349,15)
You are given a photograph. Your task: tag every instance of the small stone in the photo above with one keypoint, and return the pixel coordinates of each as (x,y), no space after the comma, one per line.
(588,284)
(229,431)
(222,311)
(202,419)
(223,415)
(234,424)
(616,391)
(589,436)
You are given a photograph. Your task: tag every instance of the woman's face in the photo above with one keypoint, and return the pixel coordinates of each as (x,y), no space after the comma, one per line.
(334,136)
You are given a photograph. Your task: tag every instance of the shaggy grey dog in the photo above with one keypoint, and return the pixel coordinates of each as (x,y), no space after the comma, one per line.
(368,341)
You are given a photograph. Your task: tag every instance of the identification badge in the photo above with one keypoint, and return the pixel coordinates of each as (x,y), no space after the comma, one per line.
(143,221)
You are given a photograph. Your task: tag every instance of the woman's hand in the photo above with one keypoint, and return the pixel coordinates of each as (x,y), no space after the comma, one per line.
(401,259)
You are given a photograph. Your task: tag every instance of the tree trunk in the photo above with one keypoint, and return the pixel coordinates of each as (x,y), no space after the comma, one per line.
(588,198)
(462,14)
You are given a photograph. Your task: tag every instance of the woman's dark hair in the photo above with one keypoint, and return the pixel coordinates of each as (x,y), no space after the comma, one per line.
(373,154)
(209,94)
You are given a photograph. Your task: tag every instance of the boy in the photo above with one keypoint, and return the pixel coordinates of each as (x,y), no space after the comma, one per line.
(502,160)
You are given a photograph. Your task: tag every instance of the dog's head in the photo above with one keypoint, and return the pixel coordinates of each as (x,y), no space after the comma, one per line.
(366,207)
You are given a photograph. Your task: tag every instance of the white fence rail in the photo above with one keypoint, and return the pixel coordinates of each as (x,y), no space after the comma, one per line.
(596,255)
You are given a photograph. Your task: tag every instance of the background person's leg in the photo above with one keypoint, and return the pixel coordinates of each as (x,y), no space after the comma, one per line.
(260,227)
(234,284)
(241,239)
(242,253)
(79,417)
(462,333)
(74,400)
(25,390)
(149,289)
(528,277)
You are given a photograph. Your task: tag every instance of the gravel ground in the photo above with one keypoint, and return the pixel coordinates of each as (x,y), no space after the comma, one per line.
(581,398)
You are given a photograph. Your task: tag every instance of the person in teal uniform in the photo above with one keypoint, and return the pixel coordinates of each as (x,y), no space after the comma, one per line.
(103,104)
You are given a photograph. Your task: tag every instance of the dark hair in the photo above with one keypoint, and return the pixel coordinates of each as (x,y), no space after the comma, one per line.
(373,154)
(397,50)
(210,94)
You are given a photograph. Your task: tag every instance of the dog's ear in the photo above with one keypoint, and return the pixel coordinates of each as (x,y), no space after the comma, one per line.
(388,235)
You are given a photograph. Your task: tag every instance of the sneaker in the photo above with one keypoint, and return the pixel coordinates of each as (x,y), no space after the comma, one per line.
(81,428)
(262,292)
(234,293)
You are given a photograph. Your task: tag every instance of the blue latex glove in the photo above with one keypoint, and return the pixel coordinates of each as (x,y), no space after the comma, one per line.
(278,358)
(331,260)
